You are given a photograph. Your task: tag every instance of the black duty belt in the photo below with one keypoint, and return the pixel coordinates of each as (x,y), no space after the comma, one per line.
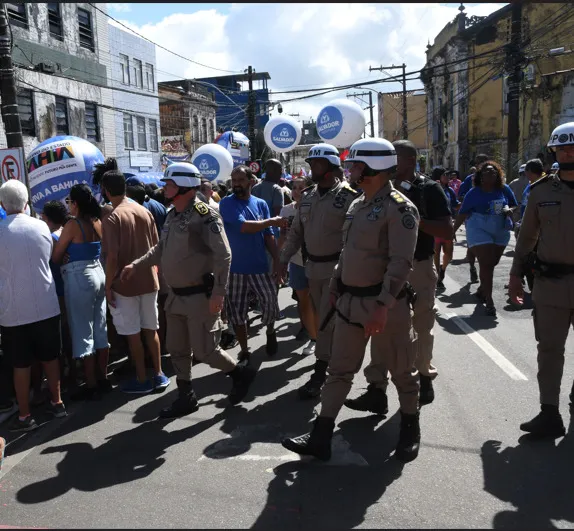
(320,259)
(367,291)
(545,269)
(190,290)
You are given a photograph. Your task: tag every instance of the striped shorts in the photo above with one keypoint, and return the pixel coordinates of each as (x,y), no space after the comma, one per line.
(238,295)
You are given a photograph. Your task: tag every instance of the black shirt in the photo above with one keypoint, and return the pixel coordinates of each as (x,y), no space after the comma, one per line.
(429,198)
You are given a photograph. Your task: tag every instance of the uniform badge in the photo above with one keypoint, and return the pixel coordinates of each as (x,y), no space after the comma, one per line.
(201,208)
(339,202)
(215,227)
(372,217)
(304,218)
(409,221)
(377,209)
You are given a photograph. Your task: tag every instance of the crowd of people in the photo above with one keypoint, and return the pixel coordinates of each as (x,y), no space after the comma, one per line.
(176,269)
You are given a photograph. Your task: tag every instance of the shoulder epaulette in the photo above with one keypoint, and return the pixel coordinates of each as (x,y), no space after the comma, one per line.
(308,189)
(201,208)
(397,197)
(544,179)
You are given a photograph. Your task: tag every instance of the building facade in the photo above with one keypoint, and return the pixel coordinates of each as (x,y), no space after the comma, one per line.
(136,102)
(466,81)
(188,117)
(62,64)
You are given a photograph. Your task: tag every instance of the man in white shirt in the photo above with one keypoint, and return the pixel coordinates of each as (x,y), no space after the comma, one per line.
(206,189)
(29,309)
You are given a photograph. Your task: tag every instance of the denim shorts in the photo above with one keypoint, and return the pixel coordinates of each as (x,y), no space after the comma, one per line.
(482,229)
(85,295)
(297,277)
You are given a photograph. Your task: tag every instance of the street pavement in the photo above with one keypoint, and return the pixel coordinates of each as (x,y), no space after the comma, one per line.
(111,464)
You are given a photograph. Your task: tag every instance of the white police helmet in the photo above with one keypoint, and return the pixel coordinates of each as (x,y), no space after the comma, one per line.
(377,153)
(522,168)
(324,151)
(563,135)
(183,174)
(555,166)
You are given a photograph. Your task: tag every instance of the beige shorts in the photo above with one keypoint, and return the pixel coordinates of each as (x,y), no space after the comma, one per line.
(134,314)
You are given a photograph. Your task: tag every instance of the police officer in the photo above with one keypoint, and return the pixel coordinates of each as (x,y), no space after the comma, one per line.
(368,288)
(548,221)
(317,230)
(194,255)
(431,202)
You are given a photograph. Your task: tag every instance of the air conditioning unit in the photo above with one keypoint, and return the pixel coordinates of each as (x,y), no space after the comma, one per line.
(46,68)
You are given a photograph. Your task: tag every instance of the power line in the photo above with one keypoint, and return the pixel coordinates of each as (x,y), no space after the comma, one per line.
(159,45)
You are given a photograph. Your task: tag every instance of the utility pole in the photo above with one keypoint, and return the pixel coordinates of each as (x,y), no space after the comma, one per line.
(370,107)
(251,114)
(514,58)
(404,82)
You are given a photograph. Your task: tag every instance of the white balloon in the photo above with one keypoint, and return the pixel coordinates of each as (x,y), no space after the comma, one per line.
(341,123)
(214,162)
(282,134)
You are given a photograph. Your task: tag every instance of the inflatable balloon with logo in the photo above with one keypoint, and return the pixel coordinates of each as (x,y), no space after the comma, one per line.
(282,134)
(214,162)
(57,164)
(237,144)
(341,123)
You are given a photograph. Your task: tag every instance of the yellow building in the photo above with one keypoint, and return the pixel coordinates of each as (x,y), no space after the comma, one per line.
(466,80)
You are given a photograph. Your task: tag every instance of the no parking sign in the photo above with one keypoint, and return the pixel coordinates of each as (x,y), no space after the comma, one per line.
(12,165)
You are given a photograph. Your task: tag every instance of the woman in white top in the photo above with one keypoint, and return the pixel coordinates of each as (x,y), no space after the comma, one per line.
(297,278)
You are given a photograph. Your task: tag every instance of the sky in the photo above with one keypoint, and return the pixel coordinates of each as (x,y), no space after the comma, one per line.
(300,45)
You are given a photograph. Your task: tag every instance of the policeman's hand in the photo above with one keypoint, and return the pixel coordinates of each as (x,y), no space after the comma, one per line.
(279,272)
(127,272)
(215,304)
(515,290)
(278,221)
(378,321)
(110,297)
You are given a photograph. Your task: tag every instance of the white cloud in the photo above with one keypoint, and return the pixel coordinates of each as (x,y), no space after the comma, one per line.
(303,45)
(120,8)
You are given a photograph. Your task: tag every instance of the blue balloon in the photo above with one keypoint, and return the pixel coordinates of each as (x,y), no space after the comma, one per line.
(152,177)
(57,164)
(283,136)
(329,122)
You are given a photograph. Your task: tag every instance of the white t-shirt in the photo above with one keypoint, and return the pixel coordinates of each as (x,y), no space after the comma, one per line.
(288,211)
(213,203)
(27,288)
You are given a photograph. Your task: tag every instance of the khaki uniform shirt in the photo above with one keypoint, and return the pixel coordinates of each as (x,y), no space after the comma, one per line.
(192,243)
(380,237)
(548,220)
(319,220)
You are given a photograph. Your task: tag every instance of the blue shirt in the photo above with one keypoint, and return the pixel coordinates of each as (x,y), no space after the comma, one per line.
(2,213)
(451,199)
(248,251)
(158,211)
(465,186)
(525,195)
(492,203)
(56,273)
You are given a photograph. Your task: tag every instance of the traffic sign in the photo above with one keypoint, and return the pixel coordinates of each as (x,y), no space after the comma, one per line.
(12,164)
(254,167)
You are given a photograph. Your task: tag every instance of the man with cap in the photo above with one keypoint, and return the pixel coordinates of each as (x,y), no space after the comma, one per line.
(194,255)
(317,231)
(372,300)
(547,226)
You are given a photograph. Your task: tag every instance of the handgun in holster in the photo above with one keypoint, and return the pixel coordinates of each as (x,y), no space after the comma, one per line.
(209,282)
(411,295)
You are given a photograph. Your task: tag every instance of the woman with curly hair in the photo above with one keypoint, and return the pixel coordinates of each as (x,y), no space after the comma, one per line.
(487,209)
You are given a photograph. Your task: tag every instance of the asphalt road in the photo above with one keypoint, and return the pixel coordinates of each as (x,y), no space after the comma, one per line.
(112,464)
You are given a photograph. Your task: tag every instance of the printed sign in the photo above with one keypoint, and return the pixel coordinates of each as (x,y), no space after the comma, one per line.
(330,122)
(208,166)
(283,136)
(12,164)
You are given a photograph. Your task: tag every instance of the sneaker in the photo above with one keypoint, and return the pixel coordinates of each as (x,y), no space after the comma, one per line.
(309,348)
(58,410)
(272,346)
(135,387)
(161,381)
(440,286)
(244,358)
(28,424)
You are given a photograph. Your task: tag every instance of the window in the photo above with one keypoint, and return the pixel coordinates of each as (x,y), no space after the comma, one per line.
(18,15)
(153,141)
(128,132)
(92,129)
(62,116)
(137,73)
(26,111)
(55,21)
(203,130)
(211,130)
(85,28)
(149,79)
(142,142)
(125,65)
(195,131)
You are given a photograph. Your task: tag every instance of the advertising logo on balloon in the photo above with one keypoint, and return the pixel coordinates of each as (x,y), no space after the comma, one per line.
(330,122)
(207,165)
(283,136)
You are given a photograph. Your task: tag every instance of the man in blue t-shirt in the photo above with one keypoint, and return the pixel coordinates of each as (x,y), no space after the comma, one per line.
(248,225)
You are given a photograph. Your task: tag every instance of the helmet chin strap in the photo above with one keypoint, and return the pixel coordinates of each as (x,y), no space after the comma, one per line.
(566,166)
(367,172)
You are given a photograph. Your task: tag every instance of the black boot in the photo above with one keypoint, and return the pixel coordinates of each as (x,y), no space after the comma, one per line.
(426,395)
(373,400)
(440,282)
(317,443)
(242,377)
(184,404)
(312,388)
(473,274)
(409,438)
(548,423)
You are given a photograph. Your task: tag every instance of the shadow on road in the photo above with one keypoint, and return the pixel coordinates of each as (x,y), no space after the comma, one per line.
(124,457)
(309,494)
(535,477)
